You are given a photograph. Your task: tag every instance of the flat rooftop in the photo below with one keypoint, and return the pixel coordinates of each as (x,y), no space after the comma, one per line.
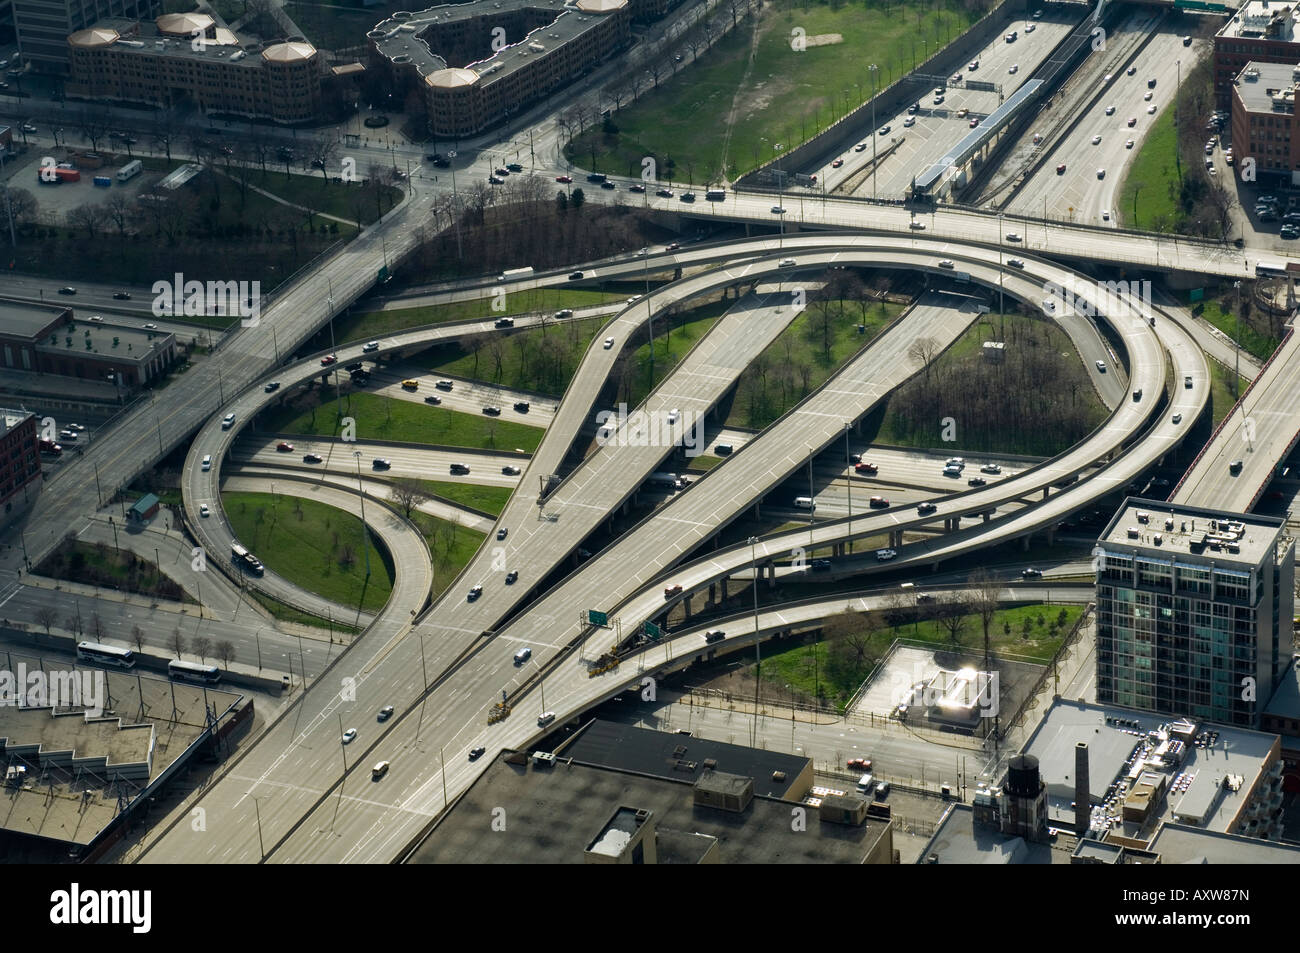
(1181,844)
(1255,536)
(1124,744)
(556,812)
(399,37)
(105,341)
(79,765)
(1271,90)
(9,419)
(1260,19)
(24,320)
(146,38)
(675,757)
(959,840)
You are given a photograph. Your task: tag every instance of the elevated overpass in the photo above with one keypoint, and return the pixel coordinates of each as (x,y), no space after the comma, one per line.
(470,671)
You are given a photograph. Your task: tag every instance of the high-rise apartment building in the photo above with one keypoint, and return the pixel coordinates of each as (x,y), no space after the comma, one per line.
(1194,611)
(43,26)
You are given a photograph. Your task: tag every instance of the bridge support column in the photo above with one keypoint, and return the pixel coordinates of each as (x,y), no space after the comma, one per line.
(1024,543)
(713,593)
(895,538)
(771,575)
(985,517)
(1045,489)
(758,510)
(1051,537)
(686,604)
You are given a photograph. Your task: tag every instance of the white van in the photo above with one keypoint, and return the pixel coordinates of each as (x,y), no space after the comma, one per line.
(207,462)
(545,718)
(805,503)
(867,783)
(523,655)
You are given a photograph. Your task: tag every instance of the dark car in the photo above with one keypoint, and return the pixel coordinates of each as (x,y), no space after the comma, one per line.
(311,458)
(67,291)
(1032,573)
(459,469)
(433,399)
(121,296)
(386,712)
(976,481)
(575,276)
(511,470)
(492,411)
(608,185)
(476,753)
(515,167)
(511,576)
(821,565)
(380,463)
(504,323)
(522,406)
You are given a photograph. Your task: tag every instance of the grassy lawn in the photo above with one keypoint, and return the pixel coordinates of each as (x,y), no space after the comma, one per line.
(673,339)
(289,614)
(1251,340)
(451,547)
(1153,178)
(98,564)
(703,462)
(1039,401)
(720,117)
(312,545)
(488,499)
(538,359)
(372,324)
(316,192)
(815,345)
(381,418)
(1222,395)
(841,667)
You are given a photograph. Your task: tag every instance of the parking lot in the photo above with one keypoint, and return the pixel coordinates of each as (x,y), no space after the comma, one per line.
(55,201)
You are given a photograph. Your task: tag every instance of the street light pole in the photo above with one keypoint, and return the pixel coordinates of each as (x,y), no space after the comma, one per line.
(873,68)
(811,504)
(848,479)
(362,493)
(758,655)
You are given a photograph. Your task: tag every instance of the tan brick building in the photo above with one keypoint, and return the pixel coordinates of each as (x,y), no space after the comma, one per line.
(187,56)
(479,63)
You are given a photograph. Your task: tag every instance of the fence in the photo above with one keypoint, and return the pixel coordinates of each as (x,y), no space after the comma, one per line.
(1031,697)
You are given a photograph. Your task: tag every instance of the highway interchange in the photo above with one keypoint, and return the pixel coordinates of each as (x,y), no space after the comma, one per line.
(442,662)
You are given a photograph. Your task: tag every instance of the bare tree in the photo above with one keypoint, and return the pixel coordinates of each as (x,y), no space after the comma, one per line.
(46,616)
(119,210)
(177,642)
(90,216)
(137,638)
(408,493)
(225,653)
(201,646)
(93,123)
(97,627)
(321,152)
(73,623)
(923,352)
(984,592)
(23,206)
(952,615)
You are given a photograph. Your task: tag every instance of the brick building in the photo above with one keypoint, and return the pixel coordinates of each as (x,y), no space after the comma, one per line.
(20,465)
(1260,32)
(49,339)
(454,54)
(1263,120)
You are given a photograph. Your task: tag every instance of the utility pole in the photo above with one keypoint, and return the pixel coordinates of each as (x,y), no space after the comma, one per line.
(758,655)
(874,69)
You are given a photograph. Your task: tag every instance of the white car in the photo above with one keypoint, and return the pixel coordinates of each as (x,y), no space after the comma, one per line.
(1101,173)
(1110,110)
(1014,69)
(609,342)
(1146,97)
(203,510)
(1101,366)
(349,735)
(371,346)
(1049,304)
(1105,215)
(1129,144)
(672,416)
(946,264)
(1096,140)
(1151,109)
(909,121)
(777,210)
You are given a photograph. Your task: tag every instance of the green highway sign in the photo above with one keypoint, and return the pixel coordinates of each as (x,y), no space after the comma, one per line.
(1196,294)
(597,618)
(652,630)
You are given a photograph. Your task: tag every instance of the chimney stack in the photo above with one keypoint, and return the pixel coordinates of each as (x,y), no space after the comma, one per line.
(1082,804)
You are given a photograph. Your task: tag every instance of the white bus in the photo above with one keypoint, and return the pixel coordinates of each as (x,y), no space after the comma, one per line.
(193,672)
(102,654)
(130,170)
